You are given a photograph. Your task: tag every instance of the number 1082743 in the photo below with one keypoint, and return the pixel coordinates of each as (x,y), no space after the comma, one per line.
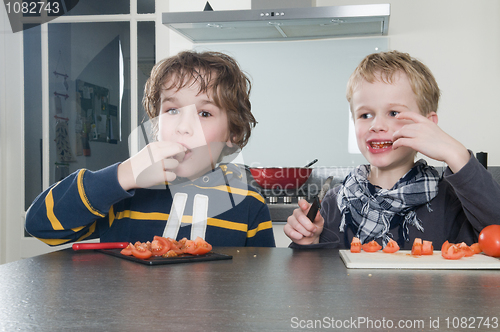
(32,7)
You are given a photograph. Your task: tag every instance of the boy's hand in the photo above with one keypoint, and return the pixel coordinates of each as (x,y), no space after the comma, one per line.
(425,136)
(151,166)
(300,229)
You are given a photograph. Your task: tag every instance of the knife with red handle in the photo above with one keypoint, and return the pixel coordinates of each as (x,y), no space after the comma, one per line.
(102,245)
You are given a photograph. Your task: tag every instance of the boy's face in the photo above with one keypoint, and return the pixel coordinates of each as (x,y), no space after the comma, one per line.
(191,119)
(374,107)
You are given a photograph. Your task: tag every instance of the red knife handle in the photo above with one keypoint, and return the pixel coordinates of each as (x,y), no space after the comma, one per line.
(103,245)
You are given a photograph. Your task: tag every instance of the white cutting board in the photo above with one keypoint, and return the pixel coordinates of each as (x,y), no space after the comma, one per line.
(402,259)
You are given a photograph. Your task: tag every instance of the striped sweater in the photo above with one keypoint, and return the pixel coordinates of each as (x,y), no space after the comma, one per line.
(218,207)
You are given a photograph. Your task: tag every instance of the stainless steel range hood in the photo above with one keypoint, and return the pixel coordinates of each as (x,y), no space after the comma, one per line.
(280,24)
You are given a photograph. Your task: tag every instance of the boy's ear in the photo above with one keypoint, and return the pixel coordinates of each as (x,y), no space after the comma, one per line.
(230,140)
(433,117)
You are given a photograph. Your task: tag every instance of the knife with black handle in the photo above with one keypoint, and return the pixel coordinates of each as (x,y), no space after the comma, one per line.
(316,204)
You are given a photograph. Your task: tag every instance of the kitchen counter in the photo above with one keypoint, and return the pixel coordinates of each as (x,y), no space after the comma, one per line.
(260,289)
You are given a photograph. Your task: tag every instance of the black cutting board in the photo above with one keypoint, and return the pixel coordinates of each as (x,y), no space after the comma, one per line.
(211,256)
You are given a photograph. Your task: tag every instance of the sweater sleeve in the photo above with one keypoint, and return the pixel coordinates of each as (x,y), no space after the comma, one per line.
(331,236)
(260,229)
(69,210)
(478,193)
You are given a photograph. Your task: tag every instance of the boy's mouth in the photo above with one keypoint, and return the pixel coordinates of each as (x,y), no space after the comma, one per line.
(380,145)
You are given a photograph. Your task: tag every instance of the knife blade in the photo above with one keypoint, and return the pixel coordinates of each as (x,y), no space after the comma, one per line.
(102,245)
(316,204)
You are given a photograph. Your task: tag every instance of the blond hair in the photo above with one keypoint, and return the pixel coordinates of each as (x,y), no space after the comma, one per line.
(385,65)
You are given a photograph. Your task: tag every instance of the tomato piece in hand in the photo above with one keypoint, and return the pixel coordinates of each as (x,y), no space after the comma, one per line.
(427,248)
(371,246)
(489,240)
(416,249)
(355,245)
(391,246)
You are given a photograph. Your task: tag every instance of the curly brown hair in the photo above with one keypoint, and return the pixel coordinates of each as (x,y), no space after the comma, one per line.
(385,65)
(218,75)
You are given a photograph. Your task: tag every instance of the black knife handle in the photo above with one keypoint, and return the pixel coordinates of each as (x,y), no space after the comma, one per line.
(314,209)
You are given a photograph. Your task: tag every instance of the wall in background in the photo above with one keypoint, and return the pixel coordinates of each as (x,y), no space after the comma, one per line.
(459,40)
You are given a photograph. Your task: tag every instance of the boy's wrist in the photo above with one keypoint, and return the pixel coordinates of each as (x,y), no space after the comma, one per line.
(458,159)
(125,176)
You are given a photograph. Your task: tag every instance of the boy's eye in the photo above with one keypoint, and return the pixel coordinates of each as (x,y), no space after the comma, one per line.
(204,114)
(172,111)
(393,113)
(365,116)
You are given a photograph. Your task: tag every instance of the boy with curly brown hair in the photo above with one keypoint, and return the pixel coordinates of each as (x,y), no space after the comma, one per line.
(176,186)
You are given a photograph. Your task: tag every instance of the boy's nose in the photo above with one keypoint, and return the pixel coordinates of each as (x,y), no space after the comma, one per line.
(186,123)
(378,125)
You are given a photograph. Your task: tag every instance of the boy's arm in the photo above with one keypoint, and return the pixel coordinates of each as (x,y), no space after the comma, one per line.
(423,134)
(68,210)
(478,193)
(260,229)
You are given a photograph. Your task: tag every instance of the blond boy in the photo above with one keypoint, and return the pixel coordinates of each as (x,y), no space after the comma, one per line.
(394,99)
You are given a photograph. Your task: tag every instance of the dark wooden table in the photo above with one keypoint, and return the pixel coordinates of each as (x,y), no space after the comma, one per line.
(260,289)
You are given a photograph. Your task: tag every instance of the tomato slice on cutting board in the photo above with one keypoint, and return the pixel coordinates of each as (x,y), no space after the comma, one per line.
(355,245)
(159,246)
(128,250)
(416,249)
(198,247)
(451,251)
(371,246)
(476,248)
(427,248)
(391,246)
(142,250)
(468,252)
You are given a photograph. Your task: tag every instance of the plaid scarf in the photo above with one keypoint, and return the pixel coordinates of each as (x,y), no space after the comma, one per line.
(371,211)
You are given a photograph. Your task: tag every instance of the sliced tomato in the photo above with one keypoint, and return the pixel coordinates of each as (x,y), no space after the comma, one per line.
(391,246)
(468,252)
(197,247)
(127,251)
(188,246)
(416,249)
(355,245)
(427,248)
(445,246)
(371,246)
(453,252)
(159,246)
(173,244)
(476,248)
(141,250)
(170,253)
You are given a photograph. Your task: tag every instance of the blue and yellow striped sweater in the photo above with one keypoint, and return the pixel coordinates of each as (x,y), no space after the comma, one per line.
(88,205)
